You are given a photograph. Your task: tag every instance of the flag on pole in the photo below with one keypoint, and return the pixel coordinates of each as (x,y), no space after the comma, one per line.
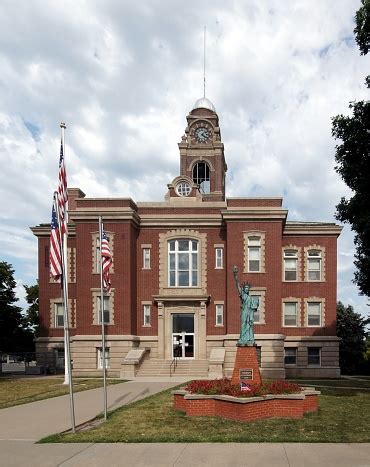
(106,258)
(62,192)
(55,252)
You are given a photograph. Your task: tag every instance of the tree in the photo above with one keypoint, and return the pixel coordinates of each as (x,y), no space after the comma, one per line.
(13,335)
(351,328)
(353,163)
(31,319)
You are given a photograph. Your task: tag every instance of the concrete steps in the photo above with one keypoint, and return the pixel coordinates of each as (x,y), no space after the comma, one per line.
(191,368)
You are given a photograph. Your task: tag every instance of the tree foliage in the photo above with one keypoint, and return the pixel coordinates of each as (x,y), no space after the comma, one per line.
(14,336)
(353,163)
(32,314)
(362,29)
(351,328)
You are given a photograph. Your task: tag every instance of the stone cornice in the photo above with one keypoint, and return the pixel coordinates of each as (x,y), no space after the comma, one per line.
(254,213)
(181,298)
(43,230)
(311,228)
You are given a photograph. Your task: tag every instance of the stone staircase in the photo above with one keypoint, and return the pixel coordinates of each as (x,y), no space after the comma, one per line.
(191,368)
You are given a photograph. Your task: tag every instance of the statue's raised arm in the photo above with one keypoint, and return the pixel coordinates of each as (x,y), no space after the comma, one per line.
(235,272)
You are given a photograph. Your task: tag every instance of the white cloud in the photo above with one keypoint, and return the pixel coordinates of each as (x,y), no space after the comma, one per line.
(124,75)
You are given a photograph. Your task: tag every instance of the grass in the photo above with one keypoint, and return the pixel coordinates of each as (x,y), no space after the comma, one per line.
(344,416)
(16,391)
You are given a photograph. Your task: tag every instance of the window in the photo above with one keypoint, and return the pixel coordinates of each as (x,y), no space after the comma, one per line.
(219,315)
(290,356)
(58,315)
(254,254)
(314,265)
(183,263)
(100,358)
(96,255)
(290,313)
(314,356)
(219,252)
(146,309)
(290,265)
(106,309)
(314,314)
(146,258)
(257,313)
(201,177)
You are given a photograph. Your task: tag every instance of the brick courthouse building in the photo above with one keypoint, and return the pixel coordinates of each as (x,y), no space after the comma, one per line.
(173,291)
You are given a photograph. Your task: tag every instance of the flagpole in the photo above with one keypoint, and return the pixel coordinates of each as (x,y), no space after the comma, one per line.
(102,319)
(65,292)
(67,350)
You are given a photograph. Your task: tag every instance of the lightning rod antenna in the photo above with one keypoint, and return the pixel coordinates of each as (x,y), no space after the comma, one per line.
(204,62)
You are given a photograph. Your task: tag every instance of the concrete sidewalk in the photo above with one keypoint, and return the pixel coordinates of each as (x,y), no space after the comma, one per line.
(39,419)
(23,453)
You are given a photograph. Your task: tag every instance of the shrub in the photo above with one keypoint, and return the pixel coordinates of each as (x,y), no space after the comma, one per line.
(226,387)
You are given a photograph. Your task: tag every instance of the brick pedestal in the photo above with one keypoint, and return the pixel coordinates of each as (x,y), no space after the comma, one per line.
(246,365)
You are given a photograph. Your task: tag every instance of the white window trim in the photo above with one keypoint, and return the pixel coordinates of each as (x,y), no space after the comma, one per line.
(58,305)
(96,309)
(222,314)
(298,262)
(297,301)
(322,262)
(146,249)
(221,258)
(322,311)
(146,306)
(190,253)
(262,236)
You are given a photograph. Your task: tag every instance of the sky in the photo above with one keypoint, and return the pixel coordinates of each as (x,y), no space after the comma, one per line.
(123,75)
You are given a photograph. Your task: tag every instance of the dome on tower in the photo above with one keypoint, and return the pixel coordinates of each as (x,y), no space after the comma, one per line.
(204,103)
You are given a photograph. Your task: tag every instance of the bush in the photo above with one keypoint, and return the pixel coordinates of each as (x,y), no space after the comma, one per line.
(226,387)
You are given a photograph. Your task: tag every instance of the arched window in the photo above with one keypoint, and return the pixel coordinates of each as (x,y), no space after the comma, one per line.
(201,177)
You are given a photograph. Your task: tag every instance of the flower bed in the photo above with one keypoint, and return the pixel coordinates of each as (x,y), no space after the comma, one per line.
(223,399)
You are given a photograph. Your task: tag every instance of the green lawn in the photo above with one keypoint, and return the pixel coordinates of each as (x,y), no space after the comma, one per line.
(344,416)
(16,391)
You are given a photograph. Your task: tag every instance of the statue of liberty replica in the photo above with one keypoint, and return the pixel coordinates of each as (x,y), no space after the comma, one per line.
(248,305)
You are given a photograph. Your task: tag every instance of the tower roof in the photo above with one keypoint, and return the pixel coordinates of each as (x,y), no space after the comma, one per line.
(204,103)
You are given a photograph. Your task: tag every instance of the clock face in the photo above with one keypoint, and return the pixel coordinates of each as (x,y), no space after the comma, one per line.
(202,134)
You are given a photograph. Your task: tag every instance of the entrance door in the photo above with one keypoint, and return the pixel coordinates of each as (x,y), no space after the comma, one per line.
(183,335)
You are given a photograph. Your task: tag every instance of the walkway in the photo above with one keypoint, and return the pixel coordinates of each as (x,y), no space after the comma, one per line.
(20,426)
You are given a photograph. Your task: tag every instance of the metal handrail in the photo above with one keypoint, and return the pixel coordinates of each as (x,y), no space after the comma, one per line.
(174,363)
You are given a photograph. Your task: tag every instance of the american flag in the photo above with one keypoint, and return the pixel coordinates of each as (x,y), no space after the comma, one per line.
(62,192)
(106,258)
(55,253)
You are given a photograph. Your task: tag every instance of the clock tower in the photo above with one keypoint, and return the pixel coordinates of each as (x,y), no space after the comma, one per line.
(202,156)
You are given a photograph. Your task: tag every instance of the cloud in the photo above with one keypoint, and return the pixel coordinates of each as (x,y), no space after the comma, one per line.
(124,75)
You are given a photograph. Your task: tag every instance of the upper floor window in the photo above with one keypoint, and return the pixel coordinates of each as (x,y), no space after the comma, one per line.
(146,258)
(201,177)
(183,263)
(106,309)
(96,253)
(314,265)
(290,311)
(146,317)
(219,259)
(290,265)
(219,314)
(254,253)
(314,314)
(58,315)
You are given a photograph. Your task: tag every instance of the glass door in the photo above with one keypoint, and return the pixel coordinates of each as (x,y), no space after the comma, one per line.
(183,335)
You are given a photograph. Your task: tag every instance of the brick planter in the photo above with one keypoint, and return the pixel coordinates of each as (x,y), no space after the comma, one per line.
(247,408)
